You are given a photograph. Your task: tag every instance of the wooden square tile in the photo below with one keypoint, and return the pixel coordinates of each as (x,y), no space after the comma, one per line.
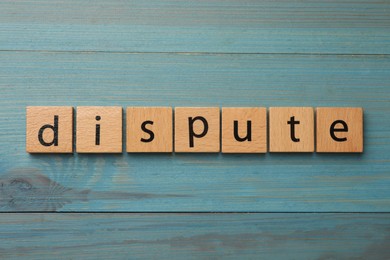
(291,129)
(244,130)
(99,130)
(49,129)
(197,129)
(339,129)
(149,129)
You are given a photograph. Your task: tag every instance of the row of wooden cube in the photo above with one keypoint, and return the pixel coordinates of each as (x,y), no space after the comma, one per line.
(194,129)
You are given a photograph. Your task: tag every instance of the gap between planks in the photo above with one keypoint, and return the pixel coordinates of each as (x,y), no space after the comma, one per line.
(205,53)
(194,212)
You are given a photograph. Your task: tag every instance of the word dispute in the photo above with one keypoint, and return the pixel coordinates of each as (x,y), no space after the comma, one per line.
(194,129)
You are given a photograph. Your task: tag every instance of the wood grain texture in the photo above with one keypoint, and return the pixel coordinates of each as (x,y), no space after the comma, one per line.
(184,182)
(49,129)
(201,53)
(244,130)
(99,129)
(349,126)
(232,26)
(291,129)
(195,236)
(154,136)
(197,130)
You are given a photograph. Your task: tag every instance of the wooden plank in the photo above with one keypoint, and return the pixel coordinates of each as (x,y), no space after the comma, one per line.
(232,26)
(185,182)
(194,236)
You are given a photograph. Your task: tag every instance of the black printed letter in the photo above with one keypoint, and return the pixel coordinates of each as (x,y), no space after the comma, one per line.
(292,122)
(55,133)
(191,122)
(248,131)
(150,132)
(344,129)
(97,136)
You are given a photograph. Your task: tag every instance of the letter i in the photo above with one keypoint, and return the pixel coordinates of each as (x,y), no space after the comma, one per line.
(97,136)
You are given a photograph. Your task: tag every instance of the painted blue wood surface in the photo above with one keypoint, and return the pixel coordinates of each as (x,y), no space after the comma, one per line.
(250,26)
(195,236)
(185,182)
(199,53)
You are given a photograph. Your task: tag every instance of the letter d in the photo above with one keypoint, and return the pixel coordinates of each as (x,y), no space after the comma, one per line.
(54,128)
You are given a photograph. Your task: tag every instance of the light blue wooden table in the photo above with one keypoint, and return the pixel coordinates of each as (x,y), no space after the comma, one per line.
(195,53)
